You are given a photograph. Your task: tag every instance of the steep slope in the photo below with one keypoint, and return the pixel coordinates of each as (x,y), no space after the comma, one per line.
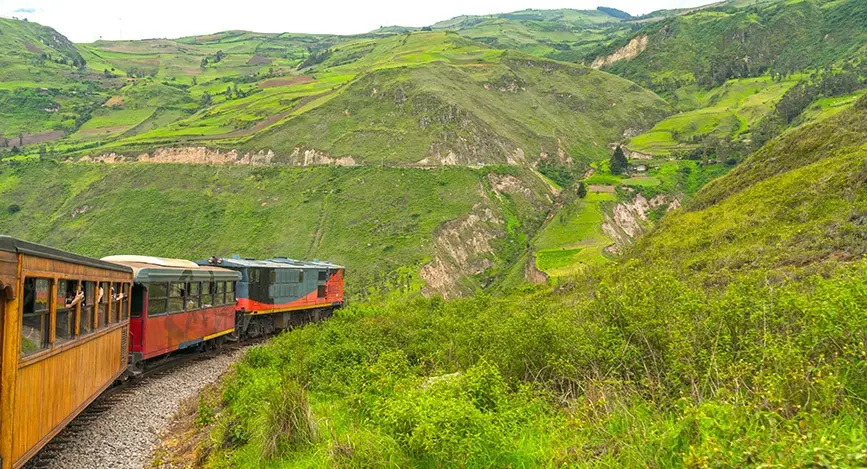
(712,45)
(384,224)
(500,111)
(425,98)
(563,34)
(732,336)
(41,90)
(799,204)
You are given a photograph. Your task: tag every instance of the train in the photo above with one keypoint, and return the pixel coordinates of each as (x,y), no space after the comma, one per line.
(72,326)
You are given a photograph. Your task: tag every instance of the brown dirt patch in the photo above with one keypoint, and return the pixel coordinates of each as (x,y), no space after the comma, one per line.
(259,60)
(285,81)
(41,137)
(33,48)
(601,188)
(114,101)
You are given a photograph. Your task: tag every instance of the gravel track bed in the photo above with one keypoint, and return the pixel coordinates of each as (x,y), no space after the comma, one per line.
(125,433)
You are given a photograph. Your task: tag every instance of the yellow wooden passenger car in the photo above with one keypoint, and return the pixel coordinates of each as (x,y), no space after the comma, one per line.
(64,322)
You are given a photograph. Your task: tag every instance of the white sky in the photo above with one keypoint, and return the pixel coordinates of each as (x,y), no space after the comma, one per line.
(88,20)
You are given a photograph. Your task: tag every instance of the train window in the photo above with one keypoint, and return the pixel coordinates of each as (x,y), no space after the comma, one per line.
(102,296)
(220,293)
(127,300)
(255,275)
(85,323)
(322,276)
(36,316)
(300,276)
(64,323)
(117,301)
(158,295)
(320,291)
(273,276)
(194,296)
(177,292)
(207,294)
(230,295)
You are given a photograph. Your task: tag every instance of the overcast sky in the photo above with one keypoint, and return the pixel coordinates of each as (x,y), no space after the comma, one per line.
(89,20)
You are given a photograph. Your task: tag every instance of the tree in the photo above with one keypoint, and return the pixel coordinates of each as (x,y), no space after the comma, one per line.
(195,82)
(228,92)
(582,190)
(206,99)
(20,140)
(618,163)
(204,62)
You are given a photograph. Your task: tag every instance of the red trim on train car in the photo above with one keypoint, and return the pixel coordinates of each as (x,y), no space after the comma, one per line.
(333,296)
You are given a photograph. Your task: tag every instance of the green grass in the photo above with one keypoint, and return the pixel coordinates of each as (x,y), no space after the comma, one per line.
(731,335)
(573,239)
(378,222)
(109,122)
(727,112)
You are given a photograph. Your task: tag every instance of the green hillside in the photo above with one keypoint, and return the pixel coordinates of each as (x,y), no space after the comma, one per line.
(564,34)
(711,45)
(732,335)
(44,91)
(384,224)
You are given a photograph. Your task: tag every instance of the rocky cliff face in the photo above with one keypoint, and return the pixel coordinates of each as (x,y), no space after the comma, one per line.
(627,52)
(629,220)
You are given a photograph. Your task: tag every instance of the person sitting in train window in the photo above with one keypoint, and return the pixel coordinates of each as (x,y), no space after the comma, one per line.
(116,296)
(74,297)
(99,294)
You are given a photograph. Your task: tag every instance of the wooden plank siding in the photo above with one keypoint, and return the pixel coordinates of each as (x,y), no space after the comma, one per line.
(42,392)
(50,392)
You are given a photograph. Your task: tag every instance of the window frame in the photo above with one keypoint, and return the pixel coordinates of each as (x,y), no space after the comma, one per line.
(165,310)
(44,315)
(73,312)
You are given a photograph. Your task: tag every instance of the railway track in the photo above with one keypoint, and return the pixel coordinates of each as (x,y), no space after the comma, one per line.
(116,395)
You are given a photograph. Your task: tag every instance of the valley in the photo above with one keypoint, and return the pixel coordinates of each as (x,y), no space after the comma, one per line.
(572,237)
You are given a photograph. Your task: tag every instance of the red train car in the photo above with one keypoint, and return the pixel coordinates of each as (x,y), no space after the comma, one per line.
(177,304)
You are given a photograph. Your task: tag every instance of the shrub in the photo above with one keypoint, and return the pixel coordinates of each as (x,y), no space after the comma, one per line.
(286,422)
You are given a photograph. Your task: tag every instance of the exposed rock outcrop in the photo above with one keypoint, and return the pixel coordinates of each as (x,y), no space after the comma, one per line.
(629,220)
(627,52)
(462,247)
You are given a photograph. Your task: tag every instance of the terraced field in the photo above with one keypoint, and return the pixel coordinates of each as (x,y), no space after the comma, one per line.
(727,112)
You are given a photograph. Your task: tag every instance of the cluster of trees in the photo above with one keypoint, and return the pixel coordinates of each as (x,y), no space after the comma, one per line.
(233,92)
(141,72)
(216,58)
(316,58)
(558,173)
(77,62)
(714,149)
(824,83)
(618,164)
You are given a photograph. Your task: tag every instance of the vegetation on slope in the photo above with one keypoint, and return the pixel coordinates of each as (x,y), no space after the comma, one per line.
(380,222)
(709,46)
(733,335)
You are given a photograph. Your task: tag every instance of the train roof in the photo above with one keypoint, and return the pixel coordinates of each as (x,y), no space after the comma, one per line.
(148,269)
(274,262)
(18,246)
